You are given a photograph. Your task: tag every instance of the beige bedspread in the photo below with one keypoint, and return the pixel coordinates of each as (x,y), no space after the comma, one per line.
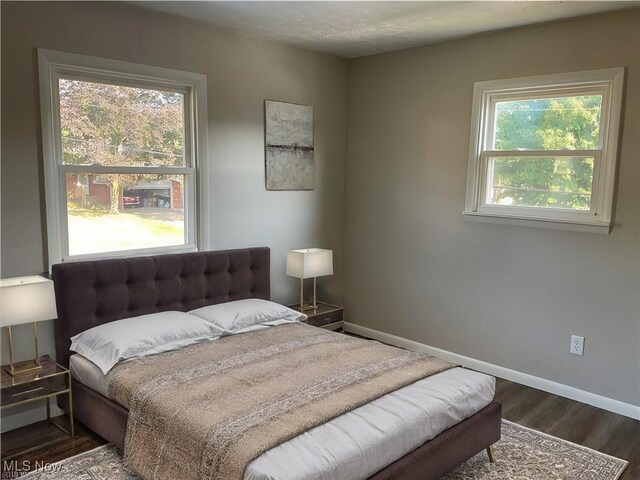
(206,411)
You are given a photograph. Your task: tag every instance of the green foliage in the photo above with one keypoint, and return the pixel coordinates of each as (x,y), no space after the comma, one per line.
(112,125)
(566,123)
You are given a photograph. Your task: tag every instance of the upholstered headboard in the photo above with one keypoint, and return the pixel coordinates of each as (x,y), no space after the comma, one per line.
(92,293)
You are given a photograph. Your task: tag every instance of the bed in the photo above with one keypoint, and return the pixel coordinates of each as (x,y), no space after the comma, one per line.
(94,293)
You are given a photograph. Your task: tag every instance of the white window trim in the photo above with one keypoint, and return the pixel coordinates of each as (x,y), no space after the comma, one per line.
(609,82)
(53,63)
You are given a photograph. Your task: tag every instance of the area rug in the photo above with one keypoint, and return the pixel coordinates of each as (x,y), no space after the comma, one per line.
(526,454)
(521,454)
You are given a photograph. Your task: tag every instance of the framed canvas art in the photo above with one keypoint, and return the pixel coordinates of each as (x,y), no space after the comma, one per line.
(288,146)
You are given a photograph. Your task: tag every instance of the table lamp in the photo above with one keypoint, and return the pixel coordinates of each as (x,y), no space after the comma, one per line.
(309,263)
(25,300)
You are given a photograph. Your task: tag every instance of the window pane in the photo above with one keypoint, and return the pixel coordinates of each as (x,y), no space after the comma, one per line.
(115,125)
(550,182)
(108,213)
(561,123)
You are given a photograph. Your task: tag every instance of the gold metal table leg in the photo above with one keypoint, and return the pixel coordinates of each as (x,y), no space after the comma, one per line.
(491,454)
(71,409)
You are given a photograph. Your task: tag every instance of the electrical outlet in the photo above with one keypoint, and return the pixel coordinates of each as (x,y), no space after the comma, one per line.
(577,345)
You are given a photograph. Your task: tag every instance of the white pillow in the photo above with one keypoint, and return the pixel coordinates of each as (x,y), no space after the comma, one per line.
(246,315)
(110,343)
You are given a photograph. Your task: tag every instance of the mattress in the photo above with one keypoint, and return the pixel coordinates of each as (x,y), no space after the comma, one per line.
(361,442)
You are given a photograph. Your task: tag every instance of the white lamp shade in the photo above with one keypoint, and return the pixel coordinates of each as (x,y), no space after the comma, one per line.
(26,299)
(309,263)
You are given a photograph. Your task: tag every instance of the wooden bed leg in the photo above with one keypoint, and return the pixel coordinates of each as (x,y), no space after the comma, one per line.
(491,454)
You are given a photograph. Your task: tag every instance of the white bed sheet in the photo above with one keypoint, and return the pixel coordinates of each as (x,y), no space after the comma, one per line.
(357,444)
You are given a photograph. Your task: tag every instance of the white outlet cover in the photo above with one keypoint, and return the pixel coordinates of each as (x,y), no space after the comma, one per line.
(577,345)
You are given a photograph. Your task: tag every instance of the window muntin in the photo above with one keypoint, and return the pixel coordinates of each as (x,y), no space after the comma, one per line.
(120,142)
(544,148)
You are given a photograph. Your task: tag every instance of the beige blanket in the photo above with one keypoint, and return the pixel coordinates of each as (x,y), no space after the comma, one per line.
(206,411)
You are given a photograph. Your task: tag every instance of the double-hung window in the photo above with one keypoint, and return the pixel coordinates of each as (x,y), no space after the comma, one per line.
(124,146)
(543,150)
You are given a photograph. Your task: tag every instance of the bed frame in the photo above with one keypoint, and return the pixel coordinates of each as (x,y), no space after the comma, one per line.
(93,293)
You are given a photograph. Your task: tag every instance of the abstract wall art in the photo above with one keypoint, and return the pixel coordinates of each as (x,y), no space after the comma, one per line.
(288,146)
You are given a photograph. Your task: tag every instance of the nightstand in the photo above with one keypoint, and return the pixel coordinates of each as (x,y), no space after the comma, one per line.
(46,384)
(326,316)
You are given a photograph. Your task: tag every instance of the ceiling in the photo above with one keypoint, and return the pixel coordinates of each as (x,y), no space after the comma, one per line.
(353,29)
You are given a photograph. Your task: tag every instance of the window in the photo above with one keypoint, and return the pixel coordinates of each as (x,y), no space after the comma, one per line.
(122,150)
(543,150)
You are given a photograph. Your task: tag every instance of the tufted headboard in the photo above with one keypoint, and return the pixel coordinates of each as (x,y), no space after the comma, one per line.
(92,293)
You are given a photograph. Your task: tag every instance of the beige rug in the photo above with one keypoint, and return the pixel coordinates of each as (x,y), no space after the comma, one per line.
(525,454)
(521,454)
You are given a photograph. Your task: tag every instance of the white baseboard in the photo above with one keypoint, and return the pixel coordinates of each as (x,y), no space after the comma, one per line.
(606,403)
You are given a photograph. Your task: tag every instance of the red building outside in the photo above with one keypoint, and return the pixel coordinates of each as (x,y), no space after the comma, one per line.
(88,190)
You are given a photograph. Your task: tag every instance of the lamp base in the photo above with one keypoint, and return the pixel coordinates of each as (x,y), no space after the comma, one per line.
(23,368)
(306,308)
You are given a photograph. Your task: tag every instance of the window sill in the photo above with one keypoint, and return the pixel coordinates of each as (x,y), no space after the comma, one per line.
(541,222)
(140,252)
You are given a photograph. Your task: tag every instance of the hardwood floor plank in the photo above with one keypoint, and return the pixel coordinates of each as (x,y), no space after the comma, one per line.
(84,441)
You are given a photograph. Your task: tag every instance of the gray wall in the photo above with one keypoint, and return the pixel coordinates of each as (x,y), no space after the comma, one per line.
(507,295)
(242,72)
(511,296)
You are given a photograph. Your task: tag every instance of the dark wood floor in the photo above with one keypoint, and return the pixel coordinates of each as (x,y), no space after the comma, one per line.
(589,426)
(42,432)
